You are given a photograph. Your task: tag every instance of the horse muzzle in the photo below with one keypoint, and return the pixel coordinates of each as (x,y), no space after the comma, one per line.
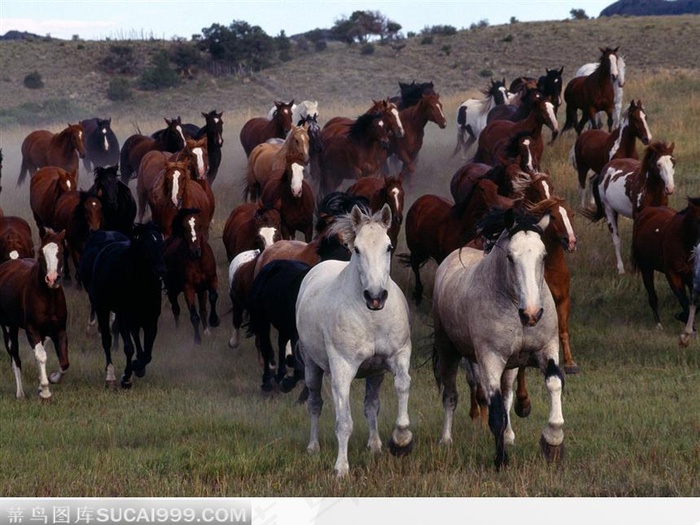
(528,318)
(53,280)
(569,243)
(375,303)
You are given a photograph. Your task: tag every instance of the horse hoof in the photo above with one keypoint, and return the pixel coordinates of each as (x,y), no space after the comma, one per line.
(571,369)
(111,384)
(400,451)
(501,461)
(45,400)
(552,453)
(125,384)
(303,396)
(288,384)
(523,407)
(214,322)
(55,378)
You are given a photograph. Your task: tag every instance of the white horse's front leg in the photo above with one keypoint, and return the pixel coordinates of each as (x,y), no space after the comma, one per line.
(509,377)
(373,384)
(18,380)
(552,440)
(688,332)
(342,374)
(401,442)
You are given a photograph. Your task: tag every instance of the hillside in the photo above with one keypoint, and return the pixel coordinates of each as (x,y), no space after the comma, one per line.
(75,87)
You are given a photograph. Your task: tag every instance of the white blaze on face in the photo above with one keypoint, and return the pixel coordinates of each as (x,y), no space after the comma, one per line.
(267,234)
(504,91)
(552,116)
(104,136)
(439,106)
(193,232)
(176,187)
(545,187)
(14,254)
(646,126)
(201,170)
(395,195)
(526,252)
(50,253)
(666,171)
(68,184)
(395,112)
(569,228)
(297,179)
(613,67)
(182,135)
(529,164)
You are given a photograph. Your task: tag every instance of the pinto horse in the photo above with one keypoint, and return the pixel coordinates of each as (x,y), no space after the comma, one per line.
(15,238)
(471,115)
(191,270)
(137,145)
(353,321)
(387,190)
(592,93)
(45,187)
(101,144)
(259,129)
(250,226)
(31,298)
(118,203)
(42,148)
(625,186)
(478,294)
(664,240)
(123,271)
(594,148)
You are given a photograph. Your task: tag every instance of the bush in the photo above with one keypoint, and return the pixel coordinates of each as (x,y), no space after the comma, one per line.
(485,73)
(160,76)
(508,38)
(120,61)
(320,45)
(440,30)
(426,40)
(367,49)
(119,89)
(33,80)
(447,49)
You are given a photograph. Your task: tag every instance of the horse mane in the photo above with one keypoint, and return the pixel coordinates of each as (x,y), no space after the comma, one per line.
(177,228)
(538,209)
(358,129)
(506,222)
(336,204)
(656,147)
(342,226)
(412,93)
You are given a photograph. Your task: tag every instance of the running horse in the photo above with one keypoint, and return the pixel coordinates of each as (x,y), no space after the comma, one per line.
(45,187)
(592,93)
(250,226)
(118,203)
(626,186)
(42,148)
(259,129)
(101,144)
(502,290)
(32,298)
(618,86)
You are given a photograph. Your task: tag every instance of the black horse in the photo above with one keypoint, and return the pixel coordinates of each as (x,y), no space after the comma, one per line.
(101,144)
(127,280)
(118,203)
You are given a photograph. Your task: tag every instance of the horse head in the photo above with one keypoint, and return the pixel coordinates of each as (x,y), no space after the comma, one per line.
(76,138)
(659,159)
(175,179)
(106,185)
(637,120)
(560,227)
(314,132)
(51,257)
(390,116)
(187,225)
(394,195)
(283,115)
(196,151)
(433,109)
(147,240)
(174,136)
(91,209)
(268,223)
(608,62)
(369,127)
(214,127)
(498,91)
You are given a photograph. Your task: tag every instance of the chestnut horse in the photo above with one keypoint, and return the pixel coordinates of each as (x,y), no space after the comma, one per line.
(625,186)
(42,148)
(380,191)
(259,129)
(296,206)
(592,93)
(31,298)
(389,113)
(15,238)
(213,131)
(594,148)
(137,145)
(45,187)
(191,270)
(250,226)
(664,240)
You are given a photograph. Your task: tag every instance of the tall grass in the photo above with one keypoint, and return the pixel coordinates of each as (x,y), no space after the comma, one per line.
(197,424)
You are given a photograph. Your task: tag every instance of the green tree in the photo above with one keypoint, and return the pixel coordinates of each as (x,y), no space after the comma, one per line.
(578,14)
(239,44)
(160,75)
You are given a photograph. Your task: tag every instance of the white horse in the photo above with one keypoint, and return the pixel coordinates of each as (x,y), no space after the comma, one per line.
(618,85)
(496,310)
(307,108)
(472,113)
(689,332)
(353,321)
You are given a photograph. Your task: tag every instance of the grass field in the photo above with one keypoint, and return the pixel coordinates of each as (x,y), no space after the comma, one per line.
(197,424)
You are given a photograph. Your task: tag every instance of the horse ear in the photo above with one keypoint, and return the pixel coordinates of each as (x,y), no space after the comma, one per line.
(356,216)
(673,145)
(561,70)
(615,50)
(386,216)
(544,222)
(509,218)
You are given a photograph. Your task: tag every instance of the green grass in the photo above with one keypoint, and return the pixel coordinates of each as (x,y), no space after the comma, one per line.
(197,424)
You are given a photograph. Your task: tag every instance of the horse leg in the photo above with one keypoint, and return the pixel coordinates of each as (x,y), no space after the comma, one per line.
(507,382)
(401,442)
(202,298)
(552,440)
(174,307)
(522,398)
(478,404)
(214,320)
(416,260)
(36,343)
(678,288)
(106,337)
(342,374)
(262,341)
(282,346)
(313,376)
(689,331)
(237,321)
(67,255)
(560,289)
(144,354)
(612,224)
(194,316)
(11,336)
(372,385)
(498,416)
(60,344)
(128,352)
(445,368)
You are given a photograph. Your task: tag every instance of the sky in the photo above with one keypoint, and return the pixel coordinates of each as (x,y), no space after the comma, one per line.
(132,19)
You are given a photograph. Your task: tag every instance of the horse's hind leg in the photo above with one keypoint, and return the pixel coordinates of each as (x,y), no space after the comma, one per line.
(194,316)
(128,352)
(314,379)
(522,398)
(416,260)
(372,385)
(106,338)
(11,336)
(202,298)
(174,307)
(214,320)
(507,388)
(144,354)
(678,288)
(445,367)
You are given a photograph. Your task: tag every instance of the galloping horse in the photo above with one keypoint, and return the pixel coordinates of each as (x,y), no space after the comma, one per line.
(118,204)
(618,85)
(389,114)
(42,148)
(259,129)
(101,144)
(31,298)
(625,186)
(15,238)
(191,270)
(353,321)
(45,187)
(136,146)
(478,294)
(592,93)
(471,115)
(123,271)
(213,131)
(387,190)
(250,226)
(410,94)
(664,240)
(307,109)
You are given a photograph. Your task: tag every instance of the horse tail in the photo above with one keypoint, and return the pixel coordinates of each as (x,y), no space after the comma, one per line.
(572,157)
(22,172)
(594,214)
(570,117)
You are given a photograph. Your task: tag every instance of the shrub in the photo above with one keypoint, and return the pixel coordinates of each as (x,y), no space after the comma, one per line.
(440,30)
(33,80)
(160,76)
(367,49)
(320,45)
(447,49)
(120,61)
(508,38)
(426,40)
(485,73)
(119,89)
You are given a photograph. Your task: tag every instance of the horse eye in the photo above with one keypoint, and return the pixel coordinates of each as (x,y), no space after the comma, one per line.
(390,247)
(357,251)
(510,259)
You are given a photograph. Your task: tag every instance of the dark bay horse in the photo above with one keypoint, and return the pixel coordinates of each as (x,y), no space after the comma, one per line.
(101,144)
(122,272)
(45,187)
(31,298)
(592,93)
(380,191)
(389,114)
(594,148)
(15,238)
(259,129)
(410,94)
(137,145)
(191,270)
(42,148)
(250,226)
(664,240)
(296,207)
(118,203)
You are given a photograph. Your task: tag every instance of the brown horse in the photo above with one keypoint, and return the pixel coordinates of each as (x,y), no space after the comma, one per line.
(270,159)
(15,238)
(358,152)
(497,136)
(42,148)
(31,298)
(414,119)
(389,114)
(250,226)
(45,187)
(191,270)
(197,152)
(380,191)
(664,240)
(259,129)
(296,206)
(136,146)
(592,93)
(594,148)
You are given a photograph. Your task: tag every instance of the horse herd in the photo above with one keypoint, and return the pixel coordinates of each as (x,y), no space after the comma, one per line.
(499,243)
